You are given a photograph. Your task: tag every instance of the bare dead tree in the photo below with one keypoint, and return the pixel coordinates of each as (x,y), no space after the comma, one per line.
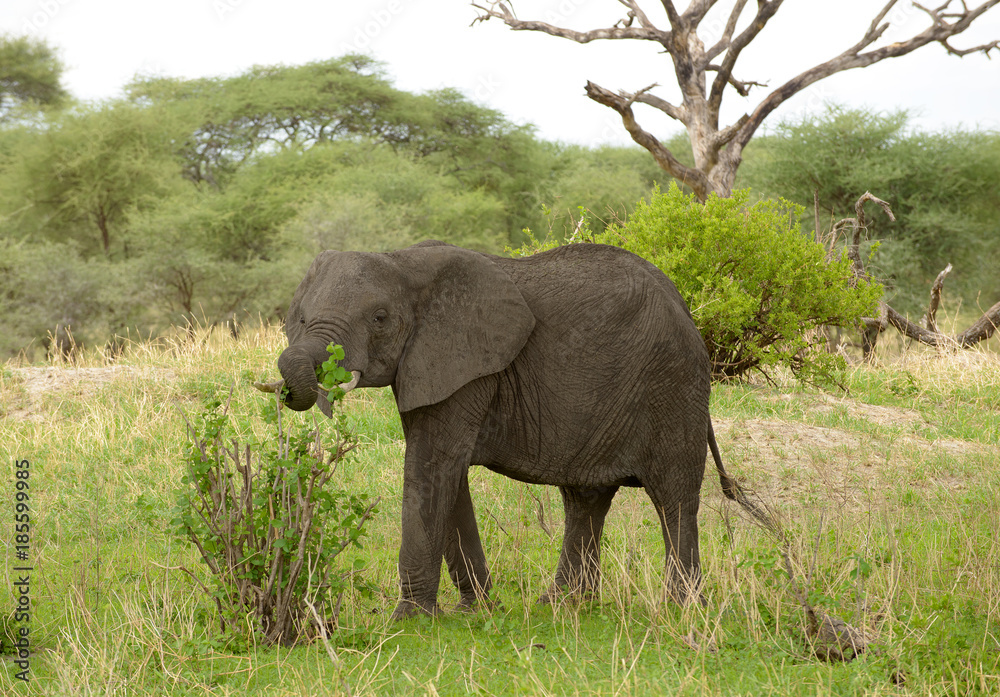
(718,150)
(980,330)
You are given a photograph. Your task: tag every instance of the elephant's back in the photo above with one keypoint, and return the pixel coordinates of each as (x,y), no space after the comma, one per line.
(601,288)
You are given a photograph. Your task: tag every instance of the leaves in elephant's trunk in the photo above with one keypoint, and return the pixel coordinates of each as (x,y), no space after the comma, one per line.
(298,364)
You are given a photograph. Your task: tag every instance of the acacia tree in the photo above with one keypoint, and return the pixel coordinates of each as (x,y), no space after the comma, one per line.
(717,149)
(30,73)
(83,174)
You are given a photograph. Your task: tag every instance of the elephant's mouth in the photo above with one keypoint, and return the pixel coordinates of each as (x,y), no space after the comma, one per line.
(322,396)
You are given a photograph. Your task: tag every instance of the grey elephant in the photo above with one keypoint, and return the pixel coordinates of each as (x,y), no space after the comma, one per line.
(578,367)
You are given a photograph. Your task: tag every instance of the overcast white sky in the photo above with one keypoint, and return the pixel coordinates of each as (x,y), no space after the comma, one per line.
(532,78)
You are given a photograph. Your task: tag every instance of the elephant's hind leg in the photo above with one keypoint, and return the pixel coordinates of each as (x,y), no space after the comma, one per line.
(579,569)
(677,508)
(464,552)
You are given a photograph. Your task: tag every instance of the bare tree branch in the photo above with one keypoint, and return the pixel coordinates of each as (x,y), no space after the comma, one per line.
(500,10)
(729,132)
(981,330)
(765,11)
(718,151)
(636,12)
(727,34)
(932,307)
(743,88)
(940,31)
(860,224)
(664,158)
(875,29)
(674,112)
(672,16)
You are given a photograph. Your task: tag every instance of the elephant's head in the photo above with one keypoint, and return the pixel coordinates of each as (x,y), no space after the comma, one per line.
(427,320)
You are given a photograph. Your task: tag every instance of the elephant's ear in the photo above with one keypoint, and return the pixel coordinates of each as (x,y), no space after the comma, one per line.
(470,321)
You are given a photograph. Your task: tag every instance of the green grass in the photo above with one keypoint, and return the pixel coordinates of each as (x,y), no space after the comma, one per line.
(891,494)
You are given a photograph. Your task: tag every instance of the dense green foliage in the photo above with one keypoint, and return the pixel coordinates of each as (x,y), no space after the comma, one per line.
(944,189)
(758,288)
(83,176)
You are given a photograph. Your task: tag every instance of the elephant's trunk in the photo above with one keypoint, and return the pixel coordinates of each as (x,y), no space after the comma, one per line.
(298,365)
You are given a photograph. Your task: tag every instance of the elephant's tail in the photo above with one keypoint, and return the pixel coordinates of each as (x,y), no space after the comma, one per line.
(731,488)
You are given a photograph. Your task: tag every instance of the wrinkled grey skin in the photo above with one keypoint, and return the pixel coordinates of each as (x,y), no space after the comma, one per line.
(579,367)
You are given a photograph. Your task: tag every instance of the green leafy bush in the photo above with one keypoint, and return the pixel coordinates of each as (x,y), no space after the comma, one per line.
(758,287)
(267,522)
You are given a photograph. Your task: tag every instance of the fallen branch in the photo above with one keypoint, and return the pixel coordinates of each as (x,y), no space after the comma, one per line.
(981,330)
(830,638)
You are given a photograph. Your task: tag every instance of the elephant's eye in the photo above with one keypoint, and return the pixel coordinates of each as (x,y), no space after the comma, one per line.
(379,318)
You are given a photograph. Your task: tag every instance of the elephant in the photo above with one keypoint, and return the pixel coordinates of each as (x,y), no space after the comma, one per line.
(578,367)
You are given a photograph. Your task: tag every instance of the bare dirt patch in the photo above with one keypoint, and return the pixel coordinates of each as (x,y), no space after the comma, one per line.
(25,391)
(790,461)
(873,413)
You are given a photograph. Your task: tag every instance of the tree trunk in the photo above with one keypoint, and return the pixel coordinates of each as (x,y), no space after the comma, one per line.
(102,224)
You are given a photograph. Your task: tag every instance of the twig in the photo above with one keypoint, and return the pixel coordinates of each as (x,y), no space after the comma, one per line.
(541,512)
(932,307)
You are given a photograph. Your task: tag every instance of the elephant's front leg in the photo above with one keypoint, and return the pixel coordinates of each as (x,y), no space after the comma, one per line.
(439,443)
(579,569)
(464,552)
(429,491)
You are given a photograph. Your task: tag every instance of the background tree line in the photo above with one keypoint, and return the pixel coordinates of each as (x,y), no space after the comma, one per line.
(204,200)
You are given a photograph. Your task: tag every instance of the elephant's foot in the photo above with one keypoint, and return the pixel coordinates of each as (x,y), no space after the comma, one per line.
(408,608)
(566,594)
(474,603)
(682,590)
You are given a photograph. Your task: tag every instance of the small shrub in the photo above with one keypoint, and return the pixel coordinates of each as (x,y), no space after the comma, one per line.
(267,522)
(756,285)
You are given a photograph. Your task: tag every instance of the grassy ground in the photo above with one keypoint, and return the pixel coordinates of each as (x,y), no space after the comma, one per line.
(890,493)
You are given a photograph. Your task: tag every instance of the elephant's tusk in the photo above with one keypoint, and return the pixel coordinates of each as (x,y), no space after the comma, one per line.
(270,387)
(347,386)
(355,379)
